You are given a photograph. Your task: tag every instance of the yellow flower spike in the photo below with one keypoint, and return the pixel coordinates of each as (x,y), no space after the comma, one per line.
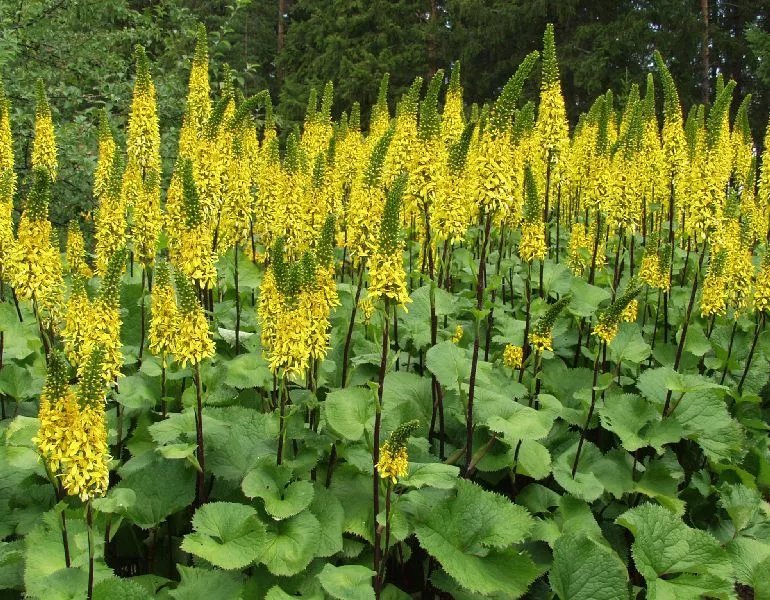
(513,356)
(631,311)
(393,463)
(394,458)
(164,321)
(541,340)
(36,272)
(44,152)
(141,180)
(192,341)
(458,334)
(387,278)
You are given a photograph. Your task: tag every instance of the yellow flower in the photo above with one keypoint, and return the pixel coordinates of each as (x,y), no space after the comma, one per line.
(513,356)
(192,339)
(458,335)
(44,142)
(393,463)
(532,245)
(629,313)
(165,316)
(761,296)
(714,296)
(76,251)
(541,340)
(387,278)
(85,461)
(77,320)
(141,180)
(580,249)
(367,307)
(606,329)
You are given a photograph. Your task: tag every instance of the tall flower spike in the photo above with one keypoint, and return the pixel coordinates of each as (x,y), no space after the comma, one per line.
(552,115)
(36,270)
(386,272)
(430,121)
(44,153)
(373,172)
(500,120)
(6,149)
(141,180)
(193,341)
(541,336)
(394,459)
(164,321)
(606,327)
(102,330)
(452,118)
(198,95)
(532,244)
(86,460)
(57,407)
(380,120)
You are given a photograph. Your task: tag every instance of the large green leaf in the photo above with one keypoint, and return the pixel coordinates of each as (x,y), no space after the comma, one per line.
(471,533)
(350,411)
(449,364)
(664,547)
(273,483)
(163,487)
(629,345)
(204,584)
(586,570)
(226,534)
(288,546)
(247,371)
(120,589)
(331,515)
(347,582)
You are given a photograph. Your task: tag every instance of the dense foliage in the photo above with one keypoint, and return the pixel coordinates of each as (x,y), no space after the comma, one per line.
(456,353)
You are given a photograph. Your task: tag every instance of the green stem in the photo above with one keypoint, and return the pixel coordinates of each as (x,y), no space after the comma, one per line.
(91,549)
(599,351)
(476,341)
(376,449)
(201,455)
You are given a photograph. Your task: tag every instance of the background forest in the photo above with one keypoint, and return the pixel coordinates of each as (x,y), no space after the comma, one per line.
(82,50)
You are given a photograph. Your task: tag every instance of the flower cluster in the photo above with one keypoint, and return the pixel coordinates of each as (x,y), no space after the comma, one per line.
(394,459)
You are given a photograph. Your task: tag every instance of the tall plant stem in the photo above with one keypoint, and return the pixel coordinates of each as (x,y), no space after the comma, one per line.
(237,303)
(376,448)
(558,221)
(527,316)
(592,272)
(200,489)
(142,317)
(349,337)
(616,269)
(91,549)
(546,217)
(532,395)
(282,393)
(57,490)
(65,540)
(760,323)
(163,406)
(490,316)
(480,281)
(729,352)
(599,351)
(685,325)
(384,559)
